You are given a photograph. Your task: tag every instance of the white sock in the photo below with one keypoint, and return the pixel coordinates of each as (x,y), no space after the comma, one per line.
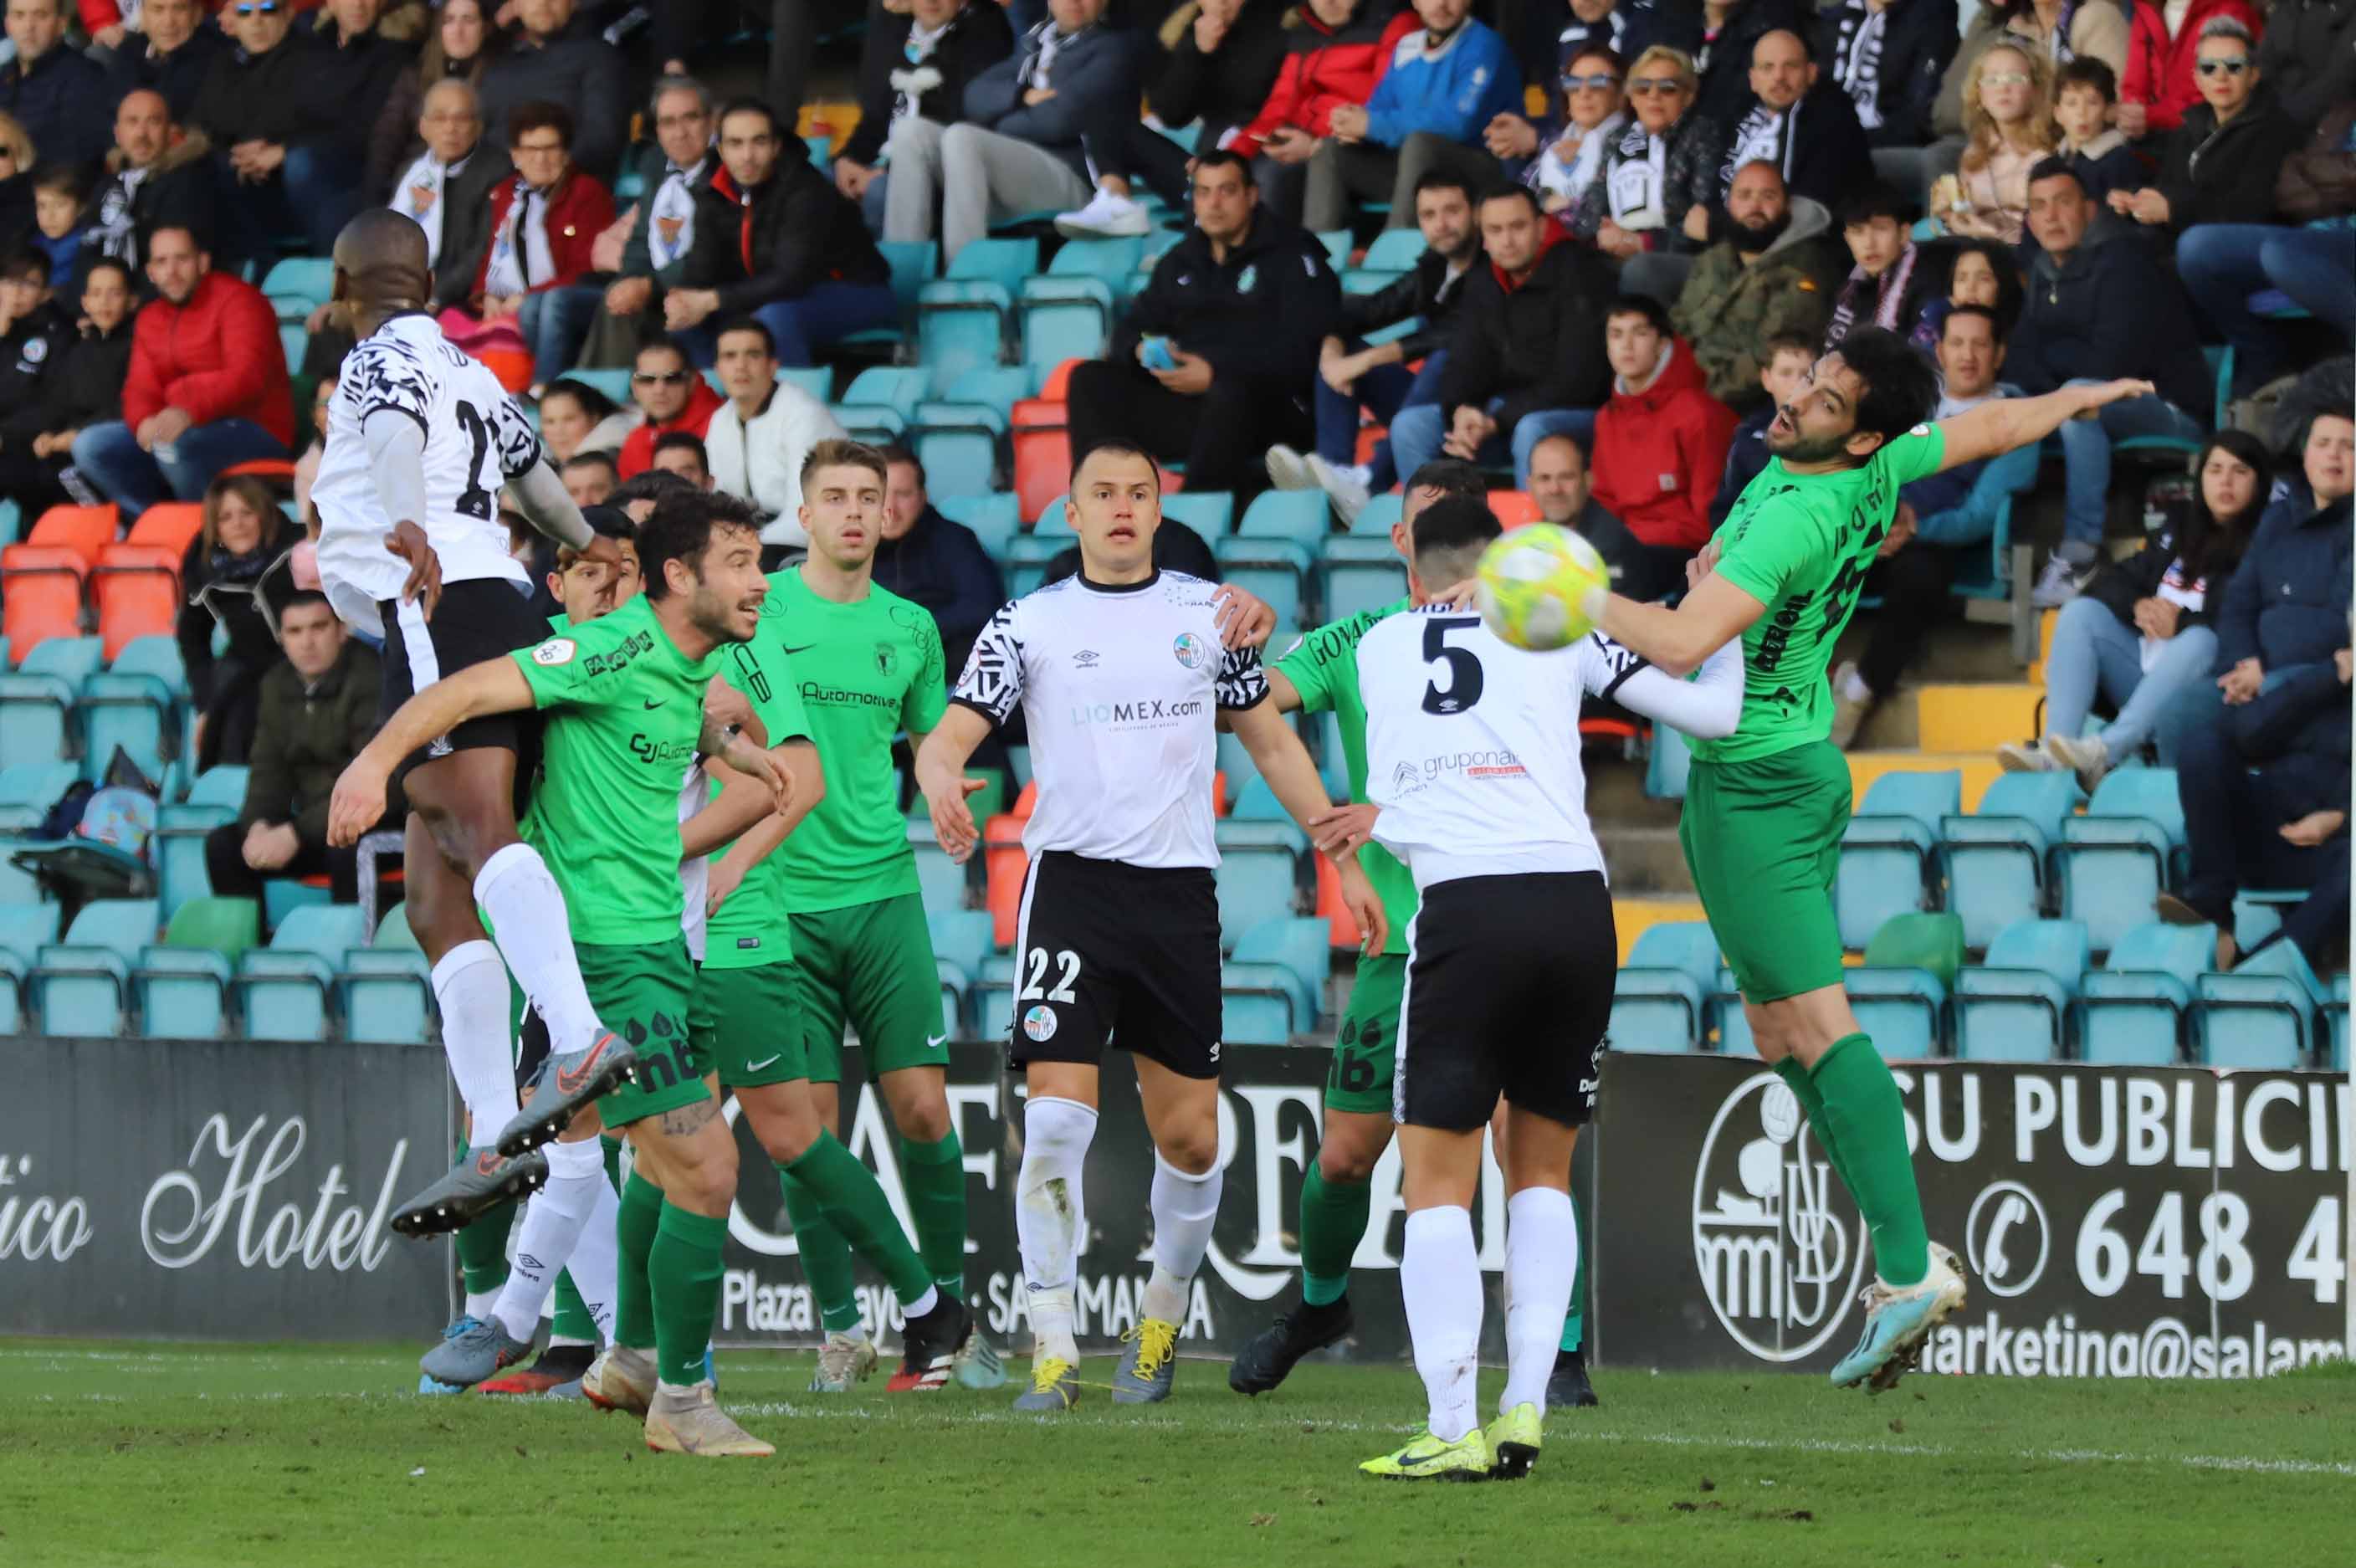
(535,937)
(552,1223)
(479,1303)
(1184,1210)
(1051,1216)
(471,985)
(1440,1276)
(922,1305)
(596,1263)
(1541,1262)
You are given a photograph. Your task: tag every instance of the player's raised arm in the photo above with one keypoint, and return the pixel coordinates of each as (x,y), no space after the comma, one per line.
(2006,423)
(1714,614)
(1292,776)
(493,686)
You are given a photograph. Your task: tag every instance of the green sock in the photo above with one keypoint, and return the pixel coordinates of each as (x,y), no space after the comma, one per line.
(633,1302)
(571,1320)
(611,1147)
(1574,1322)
(1333,1222)
(483,1244)
(934,1175)
(854,1201)
(1812,1105)
(1861,1107)
(826,1256)
(684,1269)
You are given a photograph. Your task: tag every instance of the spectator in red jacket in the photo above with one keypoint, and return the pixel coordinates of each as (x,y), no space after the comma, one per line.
(672,397)
(207,389)
(1338,53)
(544,224)
(1660,445)
(2158,84)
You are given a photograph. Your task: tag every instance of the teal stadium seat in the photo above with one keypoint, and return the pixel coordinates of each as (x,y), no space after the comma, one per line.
(81,986)
(956,988)
(961,446)
(25,929)
(1661,1002)
(27,791)
(962,937)
(2337,1013)
(2132,1010)
(178,847)
(1065,317)
(1260,867)
(995,518)
(1666,764)
(2016,1007)
(135,705)
(940,881)
(387,993)
(1380,514)
(2117,858)
(1998,858)
(896,387)
(1889,852)
(37,723)
(1208,512)
(297,287)
(1899,994)
(1271,987)
(182,986)
(993,998)
(286,990)
(1027,555)
(2267,1013)
(1361,573)
(962,320)
(1396,249)
(1734,1038)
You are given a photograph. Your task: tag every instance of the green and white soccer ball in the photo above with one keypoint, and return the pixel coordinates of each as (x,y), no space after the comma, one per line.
(1536,584)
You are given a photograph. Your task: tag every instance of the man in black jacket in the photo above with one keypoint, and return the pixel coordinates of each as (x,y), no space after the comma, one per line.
(1350,374)
(1802,123)
(447,189)
(925,558)
(1730,29)
(33,339)
(157,174)
(774,241)
(916,65)
(1217,354)
(2100,308)
(1890,59)
(1219,72)
(171,52)
(84,388)
(2220,165)
(556,61)
(287,157)
(1525,356)
(54,91)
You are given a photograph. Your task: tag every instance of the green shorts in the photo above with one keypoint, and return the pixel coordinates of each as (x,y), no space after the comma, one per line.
(646,995)
(743,1025)
(1367,1047)
(1763,838)
(870,965)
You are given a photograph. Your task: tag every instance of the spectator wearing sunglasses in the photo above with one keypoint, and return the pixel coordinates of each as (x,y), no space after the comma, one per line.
(2159,83)
(287,157)
(671,396)
(2218,167)
(57,92)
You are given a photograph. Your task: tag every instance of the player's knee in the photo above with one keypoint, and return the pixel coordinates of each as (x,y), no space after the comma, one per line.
(921,1118)
(785,1135)
(703,1178)
(1194,1148)
(1346,1159)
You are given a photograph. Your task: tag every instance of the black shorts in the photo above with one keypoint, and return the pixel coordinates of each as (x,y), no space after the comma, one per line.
(1509,983)
(1112,954)
(483,617)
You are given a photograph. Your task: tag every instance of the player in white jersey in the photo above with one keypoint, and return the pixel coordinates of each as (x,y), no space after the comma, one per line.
(1472,769)
(1121,677)
(420,440)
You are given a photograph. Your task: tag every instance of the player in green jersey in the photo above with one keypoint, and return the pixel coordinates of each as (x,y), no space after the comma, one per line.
(1765,806)
(867,664)
(624,700)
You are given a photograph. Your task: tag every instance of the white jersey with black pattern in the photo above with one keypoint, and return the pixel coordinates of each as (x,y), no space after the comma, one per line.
(1472,744)
(476,440)
(1120,688)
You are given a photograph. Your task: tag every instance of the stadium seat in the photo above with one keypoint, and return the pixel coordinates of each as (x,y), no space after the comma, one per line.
(2115,860)
(614,382)
(284,989)
(913,262)
(12,524)
(1367,280)
(1661,1002)
(992,517)
(1055,518)
(293,341)
(1996,857)
(2132,1010)
(1027,557)
(1337,243)
(2337,1013)
(1043,454)
(1899,995)
(2267,1014)
(1888,853)
(25,929)
(956,988)
(134,706)
(178,847)
(1065,319)
(1361,573)
(2016,1007)
(225,925)
(36,703)
(1380,514)
(29,790)
(298,286)
(962,937)
(182,993)
(136,589)
(1666,764)
(897,387)
(1301,517)
(41,597)
(1269,989)
(873,422)
(962,320)
(958,443)
(993,998)
(1277,569)
(282,895)
(1513,508)
(1396,249)
(80,986)
(1259,874)
(84,530)
(940,881)
(387,996)
(1210,514)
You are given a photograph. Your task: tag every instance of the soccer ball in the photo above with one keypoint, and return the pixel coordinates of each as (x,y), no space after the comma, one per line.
(1534,583)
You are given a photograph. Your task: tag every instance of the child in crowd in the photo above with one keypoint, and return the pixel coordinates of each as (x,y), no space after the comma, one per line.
(1789,355)
(1877,226)
(2085,93)
(62,220)
(2008,128)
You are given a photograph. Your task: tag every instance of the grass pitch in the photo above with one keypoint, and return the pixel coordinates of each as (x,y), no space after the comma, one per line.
(187,1454)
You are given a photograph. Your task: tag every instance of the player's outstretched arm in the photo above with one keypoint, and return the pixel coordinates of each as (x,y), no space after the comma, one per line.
(494,686)
(1711,615)
(2006,423)
(540,496)
(1284,762)
(940,774)
(1706,707)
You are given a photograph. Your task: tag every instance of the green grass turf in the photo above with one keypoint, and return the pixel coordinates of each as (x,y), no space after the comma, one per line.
(194,1455)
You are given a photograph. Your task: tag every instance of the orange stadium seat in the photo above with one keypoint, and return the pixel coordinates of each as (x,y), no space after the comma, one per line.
(41,595)
(1058,388)
(168,525)
(1042,460)
(84,530)
(137,589)
(1514,507)
(1005,863)
(1330,908)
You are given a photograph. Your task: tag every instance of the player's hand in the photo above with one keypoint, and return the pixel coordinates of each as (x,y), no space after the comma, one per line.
(753,760)
(2101,396)
(1341,829)
(1701,565)
(424,584)
(723,879)
(2242,682)
(1358,896)
(1464,596)
(358,802)
(607,556)
(1243,619)
(952,816)
(725,707)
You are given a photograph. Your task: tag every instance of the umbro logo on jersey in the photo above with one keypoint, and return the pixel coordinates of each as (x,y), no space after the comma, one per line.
(1086,659)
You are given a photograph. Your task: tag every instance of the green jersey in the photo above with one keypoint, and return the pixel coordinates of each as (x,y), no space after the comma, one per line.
(1324,670)
(1800,544)
(754,927)
(865,671)
(625,712)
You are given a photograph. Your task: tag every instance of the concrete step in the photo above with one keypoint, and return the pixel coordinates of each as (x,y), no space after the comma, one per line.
(1976,717)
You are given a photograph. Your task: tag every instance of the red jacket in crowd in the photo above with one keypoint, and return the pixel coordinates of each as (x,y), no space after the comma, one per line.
(216,357)
(639,449)
(2159,73)
(1660,453)
(1326,68)
(578,212)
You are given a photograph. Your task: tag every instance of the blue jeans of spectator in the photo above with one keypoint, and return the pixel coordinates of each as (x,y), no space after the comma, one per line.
(2094,652)
(110,457)
(2222,264)
(554,321)
(828,312)
(1384,390)
(1417,435)
(2086,456)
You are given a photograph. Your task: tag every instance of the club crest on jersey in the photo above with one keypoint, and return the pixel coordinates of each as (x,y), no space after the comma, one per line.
(1040,1023)
(1191,650)
(555,651)
(887,658)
